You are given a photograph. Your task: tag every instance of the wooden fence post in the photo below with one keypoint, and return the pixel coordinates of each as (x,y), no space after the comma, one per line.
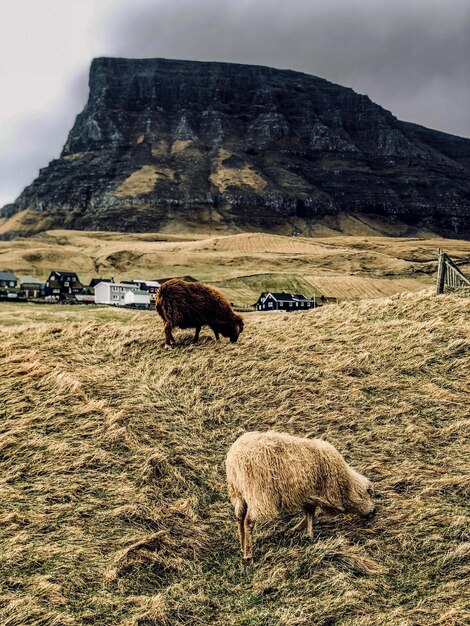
(441,271)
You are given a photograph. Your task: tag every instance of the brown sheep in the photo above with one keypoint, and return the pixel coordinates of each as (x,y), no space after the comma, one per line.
(271,473)
(184,304)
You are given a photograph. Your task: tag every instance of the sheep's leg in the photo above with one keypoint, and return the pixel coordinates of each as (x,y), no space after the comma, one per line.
(169,339)
(310,515)
(216,333)
(240,514)
(196,336)
(248,547)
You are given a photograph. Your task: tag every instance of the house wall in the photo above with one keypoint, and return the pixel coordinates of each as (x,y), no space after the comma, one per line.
(113,293)
(136,298)
(102,295)
(31,290)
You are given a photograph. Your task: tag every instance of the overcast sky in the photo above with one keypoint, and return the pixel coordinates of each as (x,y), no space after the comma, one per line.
(410,56)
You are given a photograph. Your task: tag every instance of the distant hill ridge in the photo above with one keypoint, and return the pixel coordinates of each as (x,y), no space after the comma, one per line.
(240,147)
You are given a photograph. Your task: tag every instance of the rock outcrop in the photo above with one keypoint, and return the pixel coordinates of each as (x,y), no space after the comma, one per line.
(242,146)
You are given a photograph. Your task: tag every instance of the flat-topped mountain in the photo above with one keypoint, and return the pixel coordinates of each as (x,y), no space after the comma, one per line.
(240,147)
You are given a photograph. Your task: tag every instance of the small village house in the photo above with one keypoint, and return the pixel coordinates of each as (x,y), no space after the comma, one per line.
(113,293)
(153,286)
(63,285)
(32,287)
(137,299)
(8,279)
(270,301)
(88,292)
(97,281)
(90,289)
(150,286)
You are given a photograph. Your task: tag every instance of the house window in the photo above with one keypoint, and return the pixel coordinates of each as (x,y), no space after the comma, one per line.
(270,305)
(66,283)
(115,296)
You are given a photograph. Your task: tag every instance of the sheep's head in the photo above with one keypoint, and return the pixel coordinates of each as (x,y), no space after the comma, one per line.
(369,509)
(232,329)
(361,501)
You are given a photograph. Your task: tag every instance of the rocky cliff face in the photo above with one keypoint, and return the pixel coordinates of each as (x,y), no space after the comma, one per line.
(237,145)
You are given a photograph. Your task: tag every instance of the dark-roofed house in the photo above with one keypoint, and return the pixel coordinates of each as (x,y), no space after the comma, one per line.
(62,284)
(97,281)
(89,290)
(8,279)
(270,301)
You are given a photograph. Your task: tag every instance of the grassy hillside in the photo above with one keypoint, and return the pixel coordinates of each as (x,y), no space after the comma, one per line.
(113,509)
(30,222)
(351,267)
(246,289)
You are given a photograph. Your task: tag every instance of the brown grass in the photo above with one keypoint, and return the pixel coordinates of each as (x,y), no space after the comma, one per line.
(160,148)
(342,267)
(25,221)
(141,181)
(113,507)
(181,146)
(240,177)
(359,287)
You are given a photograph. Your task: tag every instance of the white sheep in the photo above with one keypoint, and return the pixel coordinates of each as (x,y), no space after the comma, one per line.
(271,473)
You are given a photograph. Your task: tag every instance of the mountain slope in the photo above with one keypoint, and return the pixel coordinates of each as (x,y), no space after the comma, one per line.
(113,507)
(241,147)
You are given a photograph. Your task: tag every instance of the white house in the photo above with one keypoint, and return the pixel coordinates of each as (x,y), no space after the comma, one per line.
(139,298)
(152,286)
(113,293)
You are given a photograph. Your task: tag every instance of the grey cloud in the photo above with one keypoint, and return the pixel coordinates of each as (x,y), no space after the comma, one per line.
(396,51)
(410,57)
(31,143)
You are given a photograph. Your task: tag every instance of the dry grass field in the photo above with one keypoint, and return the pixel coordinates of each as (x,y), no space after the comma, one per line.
(113,508)
(345,267)
(359,287)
